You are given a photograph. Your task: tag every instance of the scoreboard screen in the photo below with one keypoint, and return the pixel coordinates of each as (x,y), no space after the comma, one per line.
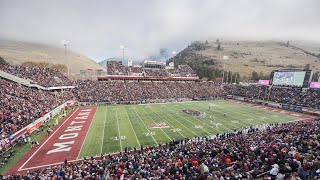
(290,78)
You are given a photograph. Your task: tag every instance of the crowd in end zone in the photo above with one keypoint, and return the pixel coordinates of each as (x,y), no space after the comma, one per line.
(288,150)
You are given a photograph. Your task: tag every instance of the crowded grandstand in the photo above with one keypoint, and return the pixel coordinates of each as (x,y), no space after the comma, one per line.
(287,150)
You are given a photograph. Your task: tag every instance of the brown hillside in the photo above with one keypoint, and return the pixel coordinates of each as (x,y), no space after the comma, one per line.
(18,52)
(248,56)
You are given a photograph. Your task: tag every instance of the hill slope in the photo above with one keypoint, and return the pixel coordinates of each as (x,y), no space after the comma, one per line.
(248,56)
(18,52)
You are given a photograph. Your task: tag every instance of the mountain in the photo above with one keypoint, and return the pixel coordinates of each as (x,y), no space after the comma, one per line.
(17,52)
(245,57)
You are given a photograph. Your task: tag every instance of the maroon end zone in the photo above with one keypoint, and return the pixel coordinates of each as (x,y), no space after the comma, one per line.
(65,142)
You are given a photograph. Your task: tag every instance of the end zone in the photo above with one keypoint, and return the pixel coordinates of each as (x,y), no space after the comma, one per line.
(64,143)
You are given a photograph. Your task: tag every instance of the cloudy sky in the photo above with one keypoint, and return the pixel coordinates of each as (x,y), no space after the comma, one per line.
(97,28)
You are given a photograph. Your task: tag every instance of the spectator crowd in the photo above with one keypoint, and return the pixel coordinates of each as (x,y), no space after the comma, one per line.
(278,151)
(21,105)
(116,91)
(281,151)
(46,77)
(285,95)
(116,68)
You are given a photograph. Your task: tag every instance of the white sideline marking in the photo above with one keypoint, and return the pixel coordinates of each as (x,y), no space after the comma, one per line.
(169,103)
(47,140)
(36,167)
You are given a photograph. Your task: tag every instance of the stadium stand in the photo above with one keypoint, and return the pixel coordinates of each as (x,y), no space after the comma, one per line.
(283,151)
(117,68)
(292,96)
(46,77)
(20,105)
(120,91)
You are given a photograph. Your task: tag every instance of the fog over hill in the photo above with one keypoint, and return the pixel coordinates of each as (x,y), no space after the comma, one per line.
(98,28)
(16,52)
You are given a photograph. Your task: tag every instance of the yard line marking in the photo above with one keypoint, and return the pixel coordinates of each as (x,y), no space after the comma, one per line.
(233,117)
(191,121)
(145,126)
(96,109)
(104,126)
(219,120)
(156,122)
(47,139)
(167,122)
(256,118)
(118,129)
(270,120)
(181,123)
(132,127)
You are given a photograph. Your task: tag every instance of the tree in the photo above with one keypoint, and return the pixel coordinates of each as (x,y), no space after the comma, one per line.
(60,67)
(255,76)
(29,64)
(261,75)
(307,67)
(3,62)
(315,76)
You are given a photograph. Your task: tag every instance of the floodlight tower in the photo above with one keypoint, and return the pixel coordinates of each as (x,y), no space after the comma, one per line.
(174,54)
(224,66)
(122,47)
(65,43)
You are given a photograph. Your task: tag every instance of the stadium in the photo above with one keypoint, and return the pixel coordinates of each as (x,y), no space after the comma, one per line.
(171,118)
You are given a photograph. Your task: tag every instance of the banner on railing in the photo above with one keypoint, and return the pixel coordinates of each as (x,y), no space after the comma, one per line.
(40,121)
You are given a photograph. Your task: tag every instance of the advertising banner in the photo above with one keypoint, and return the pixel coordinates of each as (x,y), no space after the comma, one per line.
(314,85)
(264,82)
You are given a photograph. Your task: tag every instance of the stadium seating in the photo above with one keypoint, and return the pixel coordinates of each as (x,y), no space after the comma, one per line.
(20,105)
(116,68)
(46,77)
(119,91)
(290,149)
(293,96)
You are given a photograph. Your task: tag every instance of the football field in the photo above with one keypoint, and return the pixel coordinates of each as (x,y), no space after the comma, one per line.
(116,127)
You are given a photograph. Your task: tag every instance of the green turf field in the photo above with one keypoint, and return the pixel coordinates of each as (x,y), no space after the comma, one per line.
(115,127)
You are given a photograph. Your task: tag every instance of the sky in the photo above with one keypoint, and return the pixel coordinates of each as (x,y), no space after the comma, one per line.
(97,28)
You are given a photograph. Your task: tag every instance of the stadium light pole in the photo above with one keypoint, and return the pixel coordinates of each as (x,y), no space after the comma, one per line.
(224,66)
(174,54)
(65,43)
(122,47)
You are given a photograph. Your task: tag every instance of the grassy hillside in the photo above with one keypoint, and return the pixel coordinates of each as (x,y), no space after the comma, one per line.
(18,52)
(248,56)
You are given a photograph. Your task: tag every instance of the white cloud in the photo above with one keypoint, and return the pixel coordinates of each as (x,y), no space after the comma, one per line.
(98,28)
